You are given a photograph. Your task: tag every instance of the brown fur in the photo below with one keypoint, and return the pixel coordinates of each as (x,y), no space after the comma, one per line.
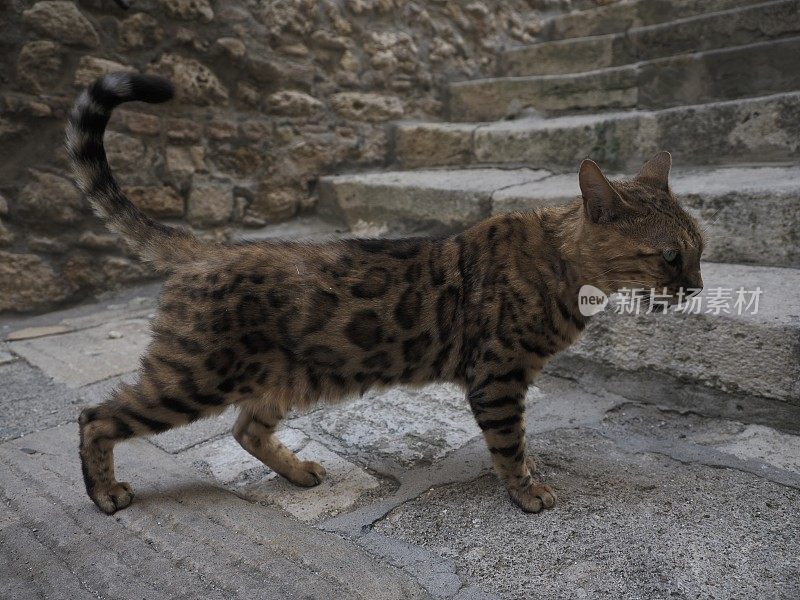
(272,326)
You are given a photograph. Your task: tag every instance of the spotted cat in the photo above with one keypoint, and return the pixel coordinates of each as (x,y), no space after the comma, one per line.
(272,326)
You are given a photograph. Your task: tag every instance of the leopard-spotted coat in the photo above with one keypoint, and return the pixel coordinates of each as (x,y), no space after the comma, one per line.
(271,326)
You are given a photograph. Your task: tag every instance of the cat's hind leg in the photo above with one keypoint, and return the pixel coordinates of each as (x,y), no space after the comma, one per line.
(255,431)
(145,407)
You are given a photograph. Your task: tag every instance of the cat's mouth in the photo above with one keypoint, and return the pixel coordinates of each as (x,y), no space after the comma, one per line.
(654,301)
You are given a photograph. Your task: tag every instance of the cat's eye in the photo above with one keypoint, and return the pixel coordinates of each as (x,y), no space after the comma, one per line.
(670,256)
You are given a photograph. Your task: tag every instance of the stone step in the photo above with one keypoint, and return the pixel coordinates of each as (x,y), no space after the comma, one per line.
(756,354)
(746,131)
(616,18)
(751,214)
(725,74)
(736,27)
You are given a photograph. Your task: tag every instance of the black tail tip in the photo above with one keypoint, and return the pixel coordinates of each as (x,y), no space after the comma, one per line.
(122,86)
(151,88)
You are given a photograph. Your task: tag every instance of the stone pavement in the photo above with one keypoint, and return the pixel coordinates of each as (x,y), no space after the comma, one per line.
(657,499)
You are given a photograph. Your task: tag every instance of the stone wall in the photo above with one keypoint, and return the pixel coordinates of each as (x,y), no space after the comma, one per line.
(270,96)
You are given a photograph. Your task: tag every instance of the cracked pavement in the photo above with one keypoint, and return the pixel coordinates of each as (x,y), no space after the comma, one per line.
(664,491)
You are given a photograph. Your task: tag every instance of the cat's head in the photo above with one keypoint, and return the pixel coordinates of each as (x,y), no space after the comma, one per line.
(637,234)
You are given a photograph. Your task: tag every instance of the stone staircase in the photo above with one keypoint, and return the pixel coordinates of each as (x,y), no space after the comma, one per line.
(714,82)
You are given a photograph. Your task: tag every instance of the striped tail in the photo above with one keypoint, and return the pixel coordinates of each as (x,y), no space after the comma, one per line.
(159,244)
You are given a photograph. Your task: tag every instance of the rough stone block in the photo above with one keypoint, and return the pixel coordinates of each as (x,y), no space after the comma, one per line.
(210,203)
(61,21)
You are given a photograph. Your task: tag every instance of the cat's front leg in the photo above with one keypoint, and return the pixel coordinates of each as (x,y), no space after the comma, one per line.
(498,403)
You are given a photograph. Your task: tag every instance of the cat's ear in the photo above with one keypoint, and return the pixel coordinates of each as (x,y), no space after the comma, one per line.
(655,171)
(601,202)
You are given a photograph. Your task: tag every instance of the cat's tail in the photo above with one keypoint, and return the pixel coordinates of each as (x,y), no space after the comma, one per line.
(159,244)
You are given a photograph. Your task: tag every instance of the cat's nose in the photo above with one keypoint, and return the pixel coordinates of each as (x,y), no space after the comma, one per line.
(693,284)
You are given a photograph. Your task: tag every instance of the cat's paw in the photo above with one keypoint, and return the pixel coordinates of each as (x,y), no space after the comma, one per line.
(534,497)
(113,498)
(307,474)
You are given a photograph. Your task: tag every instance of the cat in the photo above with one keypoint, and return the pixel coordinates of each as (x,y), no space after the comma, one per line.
(272,326)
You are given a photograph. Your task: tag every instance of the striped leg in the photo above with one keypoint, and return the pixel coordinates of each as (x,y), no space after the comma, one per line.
(131,411)
(498,403)
(255,431)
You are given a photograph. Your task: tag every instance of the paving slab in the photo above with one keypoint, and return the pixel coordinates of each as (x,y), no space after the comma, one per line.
(88,355)
(629,525)
(401,425)
(183,438)
(184,537)
(345,484)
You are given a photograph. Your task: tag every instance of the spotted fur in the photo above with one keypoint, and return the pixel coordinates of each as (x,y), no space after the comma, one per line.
(271,326)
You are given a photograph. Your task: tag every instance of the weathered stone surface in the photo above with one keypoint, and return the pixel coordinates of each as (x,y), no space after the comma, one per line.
(138,123)
(272,204)
(419,144)
(402,426)
(696,78)
(39,64)
(292,103)
(51,198)
(186,536)
(734,27)
(27,283)
(6,235)
(35,332)
(737,131)
(371,107)
(493,99)
(124,270)
(231,47)
(90,355)
(195,82)
(126,153)
(343,486)
(628,525)
(61,21)
(159,202)
(442,201)
(186,159)
(189,9)
(182,131)
(616,17)
(210,203)
(92,67)
(715,349)
(140,30)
